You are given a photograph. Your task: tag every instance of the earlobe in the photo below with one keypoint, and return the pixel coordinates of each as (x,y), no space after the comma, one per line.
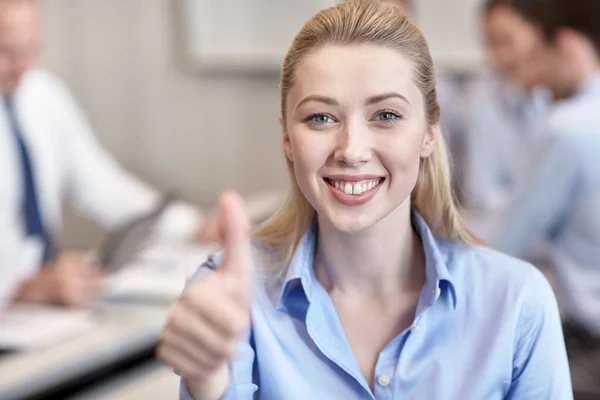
(429,141)
(287,148)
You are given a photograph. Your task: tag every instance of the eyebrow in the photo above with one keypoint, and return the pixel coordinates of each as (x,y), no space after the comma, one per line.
(381,97)
(370,101)
(321,99)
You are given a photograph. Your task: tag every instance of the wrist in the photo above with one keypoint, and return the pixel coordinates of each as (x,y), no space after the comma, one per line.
(213,387)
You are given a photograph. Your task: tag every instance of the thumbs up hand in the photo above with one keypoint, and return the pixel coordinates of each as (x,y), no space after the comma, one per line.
(205,326)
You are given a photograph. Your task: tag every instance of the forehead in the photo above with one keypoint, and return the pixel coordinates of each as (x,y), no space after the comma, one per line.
(504,16)
(353,73)
(18,16)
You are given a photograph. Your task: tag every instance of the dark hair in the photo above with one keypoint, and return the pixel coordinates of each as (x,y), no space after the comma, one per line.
(550,16)
(525,8)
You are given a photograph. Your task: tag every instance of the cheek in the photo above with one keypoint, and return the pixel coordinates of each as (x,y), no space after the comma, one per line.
(309,157)
(401,158)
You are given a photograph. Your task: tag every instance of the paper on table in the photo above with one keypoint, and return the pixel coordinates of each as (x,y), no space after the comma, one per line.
(32,327)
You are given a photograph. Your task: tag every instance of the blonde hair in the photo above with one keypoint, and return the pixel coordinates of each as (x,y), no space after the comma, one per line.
(370,22)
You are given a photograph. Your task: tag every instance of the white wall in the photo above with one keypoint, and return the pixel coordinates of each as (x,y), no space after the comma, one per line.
(197,135)
(452,29)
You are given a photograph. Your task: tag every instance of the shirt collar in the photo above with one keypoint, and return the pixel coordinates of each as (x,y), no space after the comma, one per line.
(590,86)
(437,252)
(300,269)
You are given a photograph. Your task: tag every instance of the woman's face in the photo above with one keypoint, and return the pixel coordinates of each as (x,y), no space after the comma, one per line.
(355,132)
(510,40)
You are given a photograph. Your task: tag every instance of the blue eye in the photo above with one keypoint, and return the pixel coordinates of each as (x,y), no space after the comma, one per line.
(320,119)
(387,116)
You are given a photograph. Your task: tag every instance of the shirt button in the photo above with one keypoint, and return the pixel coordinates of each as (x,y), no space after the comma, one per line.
(415,328)
(383,380)
(438,291)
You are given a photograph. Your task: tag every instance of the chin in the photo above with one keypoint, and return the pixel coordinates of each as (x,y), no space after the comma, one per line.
(349,222)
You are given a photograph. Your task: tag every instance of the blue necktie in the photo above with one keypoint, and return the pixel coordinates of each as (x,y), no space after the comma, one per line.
(31,211)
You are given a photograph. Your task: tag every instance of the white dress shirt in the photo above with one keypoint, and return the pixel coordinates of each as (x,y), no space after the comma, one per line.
(68,165)
(559,200)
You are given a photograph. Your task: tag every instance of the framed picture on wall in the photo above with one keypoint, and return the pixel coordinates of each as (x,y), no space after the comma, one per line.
(241,35)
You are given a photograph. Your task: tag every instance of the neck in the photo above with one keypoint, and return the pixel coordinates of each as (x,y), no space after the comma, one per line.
(584,65)
(380,262)
(587,70)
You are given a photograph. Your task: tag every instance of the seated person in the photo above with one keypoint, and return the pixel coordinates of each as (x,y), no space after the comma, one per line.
(366,284)
(48,155)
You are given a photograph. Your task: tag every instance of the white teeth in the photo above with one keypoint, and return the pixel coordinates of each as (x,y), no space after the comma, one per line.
(355,187)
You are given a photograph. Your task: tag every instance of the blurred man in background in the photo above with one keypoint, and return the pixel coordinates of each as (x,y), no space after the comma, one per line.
(48,155)
(559,196)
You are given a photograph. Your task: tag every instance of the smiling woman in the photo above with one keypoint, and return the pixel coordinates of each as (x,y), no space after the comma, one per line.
(367,284)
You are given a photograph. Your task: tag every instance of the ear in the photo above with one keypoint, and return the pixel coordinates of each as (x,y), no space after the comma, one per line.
(429,140)
(286,143)
(570,42)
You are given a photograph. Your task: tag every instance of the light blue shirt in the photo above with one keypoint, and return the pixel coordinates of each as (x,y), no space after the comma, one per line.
(560,201)
(502,123)
(486,327)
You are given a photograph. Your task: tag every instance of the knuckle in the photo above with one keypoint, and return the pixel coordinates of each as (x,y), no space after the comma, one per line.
(188,300)
(176,318)
(162,355)
(229,349)
(166,335)
(235,325)
(224,351)
(230,326)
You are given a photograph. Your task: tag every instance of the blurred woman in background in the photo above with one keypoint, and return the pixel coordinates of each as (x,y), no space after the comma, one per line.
(505,106)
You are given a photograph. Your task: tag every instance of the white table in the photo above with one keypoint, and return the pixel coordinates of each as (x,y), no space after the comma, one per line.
(119,333)
(151,381)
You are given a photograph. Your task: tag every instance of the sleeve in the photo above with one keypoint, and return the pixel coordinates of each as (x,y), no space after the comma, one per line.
(102,190)
(19,261)
(540,366)
(241,386)
(543,197)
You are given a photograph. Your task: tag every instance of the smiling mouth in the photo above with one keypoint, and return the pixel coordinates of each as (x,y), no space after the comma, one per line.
(356,187)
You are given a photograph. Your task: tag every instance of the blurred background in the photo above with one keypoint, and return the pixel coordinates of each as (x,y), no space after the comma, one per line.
(162,118)
(182,98)
(184,116)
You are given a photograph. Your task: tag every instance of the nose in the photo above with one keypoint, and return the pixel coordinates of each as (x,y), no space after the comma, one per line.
(354,144)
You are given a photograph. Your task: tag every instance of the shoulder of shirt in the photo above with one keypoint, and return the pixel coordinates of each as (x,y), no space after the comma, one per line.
(44,81)
(482,271)
(567,115)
